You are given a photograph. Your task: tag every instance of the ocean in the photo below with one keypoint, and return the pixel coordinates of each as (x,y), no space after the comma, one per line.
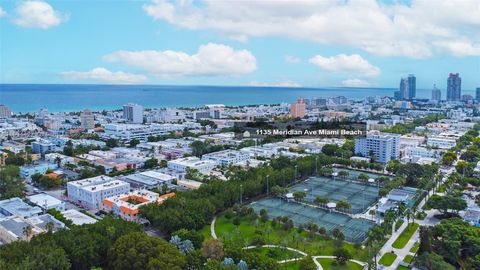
(75,97)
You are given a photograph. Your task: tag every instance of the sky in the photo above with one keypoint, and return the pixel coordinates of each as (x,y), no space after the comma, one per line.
(310,43)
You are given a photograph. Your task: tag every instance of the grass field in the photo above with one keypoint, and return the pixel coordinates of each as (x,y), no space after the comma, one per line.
(388,258)
(311,244)
(407,233)
(327,265)
(408,259)
(401,267)
(415,247)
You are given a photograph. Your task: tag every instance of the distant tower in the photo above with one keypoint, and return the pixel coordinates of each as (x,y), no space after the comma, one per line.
(5,112)
(412,86)
(297,110)
(87,119)
(477,94)
(133,113)
(403,89)
(436,94)
(454,87)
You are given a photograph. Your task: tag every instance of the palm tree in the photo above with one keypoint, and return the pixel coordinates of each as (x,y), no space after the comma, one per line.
(58,160)
(343,174)
(401,208)
(50,226)
(27,231)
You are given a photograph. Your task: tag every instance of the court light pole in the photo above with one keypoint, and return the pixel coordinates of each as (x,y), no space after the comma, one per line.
(316,166)
(296,167)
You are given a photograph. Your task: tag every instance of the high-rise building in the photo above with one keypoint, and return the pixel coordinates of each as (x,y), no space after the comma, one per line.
(133,113)
(454,87)
(403,89)
(407,89)
(87,120)
(477,94)
(436,94)
(382,147)
(5,111)
(412,86)
(297,110)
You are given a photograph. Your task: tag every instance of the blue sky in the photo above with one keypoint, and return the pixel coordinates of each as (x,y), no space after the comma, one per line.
(289,43)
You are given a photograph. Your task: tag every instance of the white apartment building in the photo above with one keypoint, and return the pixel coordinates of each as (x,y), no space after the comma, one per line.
(133,113)
(127,132)
(52,158)
(202,166)
(47,202)
(227,157)
(90,192)
(441,142)
(413,154)
(384,146)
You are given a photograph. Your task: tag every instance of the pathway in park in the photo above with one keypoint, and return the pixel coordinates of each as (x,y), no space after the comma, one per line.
(212,228)
(304,254)
(430,220)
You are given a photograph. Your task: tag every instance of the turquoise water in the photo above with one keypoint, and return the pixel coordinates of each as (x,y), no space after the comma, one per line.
(64,97)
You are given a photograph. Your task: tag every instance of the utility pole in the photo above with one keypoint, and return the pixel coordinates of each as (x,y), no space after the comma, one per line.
(316,166)
(296,167)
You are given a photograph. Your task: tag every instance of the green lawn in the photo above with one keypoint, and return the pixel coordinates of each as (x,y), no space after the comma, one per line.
(408,258)
(415,247)
(289,266)
(327,265)
(313,245)
(205,231)
(387,259)
(401,267)
(403,238)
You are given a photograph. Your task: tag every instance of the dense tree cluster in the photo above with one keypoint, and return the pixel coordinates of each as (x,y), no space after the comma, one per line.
(11,184)
(453,242)
(80,247)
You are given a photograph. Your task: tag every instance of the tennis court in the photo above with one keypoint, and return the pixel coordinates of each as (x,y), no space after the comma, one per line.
(353,229)
(359,195)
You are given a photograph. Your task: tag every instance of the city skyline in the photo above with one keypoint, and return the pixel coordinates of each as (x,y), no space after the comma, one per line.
(193,43)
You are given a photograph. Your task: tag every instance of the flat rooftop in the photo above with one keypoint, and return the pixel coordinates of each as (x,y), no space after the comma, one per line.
(15,206)
(44,199)
(77,217)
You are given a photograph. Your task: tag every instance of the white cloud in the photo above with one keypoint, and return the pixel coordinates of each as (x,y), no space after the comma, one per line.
(210,60)
(292,59)
(348,64)
(460,48)
(397,29)
(37,14)
(2,12)
(100,74)
(355,83)
(277,84)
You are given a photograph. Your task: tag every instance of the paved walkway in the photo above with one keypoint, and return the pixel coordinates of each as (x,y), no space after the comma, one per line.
(212,228)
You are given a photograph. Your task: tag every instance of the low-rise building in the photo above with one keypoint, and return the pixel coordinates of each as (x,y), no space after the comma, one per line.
(148,179)
(17,207)
(193,163)
(227,157)
(90,192)
(126,205)
(77,217)
(441,142)
(47,202)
